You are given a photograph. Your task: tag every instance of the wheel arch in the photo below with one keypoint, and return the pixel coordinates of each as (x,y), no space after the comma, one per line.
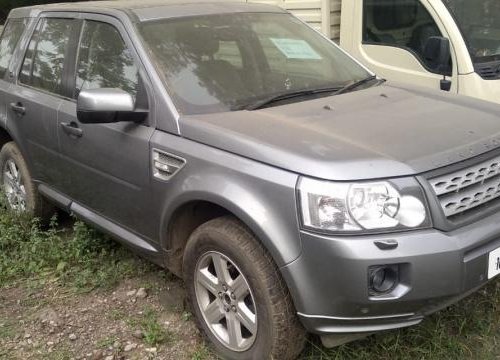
(194,209)
(5,137)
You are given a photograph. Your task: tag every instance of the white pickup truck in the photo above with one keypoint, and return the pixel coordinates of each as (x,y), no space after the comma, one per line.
(393,38)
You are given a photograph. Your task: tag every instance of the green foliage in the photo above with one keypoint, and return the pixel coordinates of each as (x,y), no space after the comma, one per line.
(106,342)
(154,333)
(7,329)
(467,330)
(81,258)
(7,5)
(202,353)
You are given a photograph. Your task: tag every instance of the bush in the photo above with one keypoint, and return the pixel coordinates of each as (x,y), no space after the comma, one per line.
(81,257)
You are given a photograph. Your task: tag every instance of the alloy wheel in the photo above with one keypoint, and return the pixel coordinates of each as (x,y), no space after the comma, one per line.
(13,186)
(226,301)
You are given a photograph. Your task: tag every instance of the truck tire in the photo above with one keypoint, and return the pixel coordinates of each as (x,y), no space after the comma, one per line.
(18,188)
(239,299)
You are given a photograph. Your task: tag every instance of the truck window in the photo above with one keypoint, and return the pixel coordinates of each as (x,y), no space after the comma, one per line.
(479,21)
(104,60)
(43,64)
(8,42)
(402,23)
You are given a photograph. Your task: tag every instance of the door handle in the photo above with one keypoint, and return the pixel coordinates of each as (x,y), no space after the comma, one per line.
(18,108)
(72,129)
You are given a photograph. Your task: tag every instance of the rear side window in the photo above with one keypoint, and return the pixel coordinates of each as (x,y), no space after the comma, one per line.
(10,37)
(44,61)
(104,61)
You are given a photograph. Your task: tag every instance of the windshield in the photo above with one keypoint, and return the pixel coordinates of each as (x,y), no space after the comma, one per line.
(479,21)
(219,63)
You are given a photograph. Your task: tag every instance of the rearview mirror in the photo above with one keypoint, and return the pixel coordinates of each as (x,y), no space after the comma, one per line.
(437,54)
(102,106)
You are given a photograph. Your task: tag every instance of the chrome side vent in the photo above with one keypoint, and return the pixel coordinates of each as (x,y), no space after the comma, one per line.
(166,165)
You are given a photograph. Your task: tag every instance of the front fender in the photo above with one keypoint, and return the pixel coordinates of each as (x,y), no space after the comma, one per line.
(261,196)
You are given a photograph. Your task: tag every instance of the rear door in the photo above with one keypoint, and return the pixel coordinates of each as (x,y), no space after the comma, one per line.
(9,41)
(107,166)
(37,93)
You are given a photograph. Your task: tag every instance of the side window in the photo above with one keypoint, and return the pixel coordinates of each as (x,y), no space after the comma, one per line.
(10,37)
(44,60)
(229,52)
(104,61)
(406,24)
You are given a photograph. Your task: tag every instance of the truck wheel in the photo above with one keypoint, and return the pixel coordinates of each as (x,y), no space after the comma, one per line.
(20,192)
(238,297)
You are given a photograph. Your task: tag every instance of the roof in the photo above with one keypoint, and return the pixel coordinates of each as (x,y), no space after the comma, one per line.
(146,10)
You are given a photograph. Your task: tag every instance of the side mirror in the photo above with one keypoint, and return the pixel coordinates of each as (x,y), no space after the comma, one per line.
(437,54)
(104,106)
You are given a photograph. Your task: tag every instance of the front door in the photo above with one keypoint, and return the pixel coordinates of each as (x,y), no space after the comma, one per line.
(108,165)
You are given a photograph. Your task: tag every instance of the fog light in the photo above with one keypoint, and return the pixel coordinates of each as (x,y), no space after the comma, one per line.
(383,279)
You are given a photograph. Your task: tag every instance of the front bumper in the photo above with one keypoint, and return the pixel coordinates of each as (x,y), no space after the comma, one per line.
(329,281)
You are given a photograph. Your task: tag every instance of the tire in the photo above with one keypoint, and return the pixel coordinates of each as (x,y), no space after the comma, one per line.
(276,332)
(30,202)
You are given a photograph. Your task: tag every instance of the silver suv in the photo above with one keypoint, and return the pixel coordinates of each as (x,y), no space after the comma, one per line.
(292,189)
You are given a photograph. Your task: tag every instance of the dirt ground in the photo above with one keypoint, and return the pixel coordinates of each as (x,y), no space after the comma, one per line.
(69,293)
(124,323)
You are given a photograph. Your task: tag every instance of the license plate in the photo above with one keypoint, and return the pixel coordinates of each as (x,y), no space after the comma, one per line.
(494,263)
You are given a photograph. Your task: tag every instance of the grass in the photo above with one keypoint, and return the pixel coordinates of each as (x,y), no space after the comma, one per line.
(467,330)
(63,353)
(117,314)
(7,329)
(202,353)
(154,333)
(82,259)
(106,342)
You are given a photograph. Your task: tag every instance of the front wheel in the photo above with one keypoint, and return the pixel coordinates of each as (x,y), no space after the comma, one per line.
(238,296)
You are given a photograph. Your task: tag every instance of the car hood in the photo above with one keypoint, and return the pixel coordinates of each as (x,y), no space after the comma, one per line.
(385,131)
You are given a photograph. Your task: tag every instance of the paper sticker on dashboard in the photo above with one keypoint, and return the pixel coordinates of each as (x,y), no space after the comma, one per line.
(296,49)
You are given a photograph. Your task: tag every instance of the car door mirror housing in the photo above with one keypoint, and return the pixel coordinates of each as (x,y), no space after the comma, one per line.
(437,54)
(106,105)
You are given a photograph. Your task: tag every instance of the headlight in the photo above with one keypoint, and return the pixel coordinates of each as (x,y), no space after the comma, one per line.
(351,207)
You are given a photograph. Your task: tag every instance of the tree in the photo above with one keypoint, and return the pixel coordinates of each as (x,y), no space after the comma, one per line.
(7,5)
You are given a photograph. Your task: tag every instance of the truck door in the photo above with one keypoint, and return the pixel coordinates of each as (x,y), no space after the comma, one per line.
(392,40)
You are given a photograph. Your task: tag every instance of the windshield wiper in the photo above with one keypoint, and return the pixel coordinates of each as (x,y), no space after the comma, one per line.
(287,95)
(307,92)
(355,84)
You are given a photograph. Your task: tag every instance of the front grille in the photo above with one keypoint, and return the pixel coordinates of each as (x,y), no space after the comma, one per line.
(466,189)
